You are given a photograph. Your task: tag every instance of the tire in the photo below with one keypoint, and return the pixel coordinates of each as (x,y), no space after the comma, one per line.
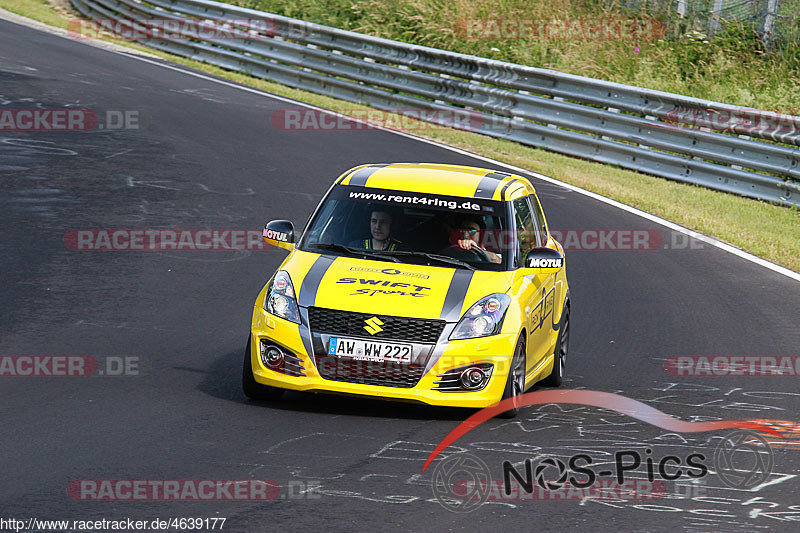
(251,388)
(556,377)
(515,384)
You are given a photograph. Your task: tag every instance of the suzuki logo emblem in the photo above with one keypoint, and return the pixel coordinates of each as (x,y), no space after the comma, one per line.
(373,325)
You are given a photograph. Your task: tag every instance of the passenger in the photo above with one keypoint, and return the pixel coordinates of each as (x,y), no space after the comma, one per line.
(380,228)
(468,236)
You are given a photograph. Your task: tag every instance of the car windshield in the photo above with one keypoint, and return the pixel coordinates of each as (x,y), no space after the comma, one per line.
(410,227)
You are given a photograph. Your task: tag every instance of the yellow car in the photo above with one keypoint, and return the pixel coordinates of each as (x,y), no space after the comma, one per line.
(429,283)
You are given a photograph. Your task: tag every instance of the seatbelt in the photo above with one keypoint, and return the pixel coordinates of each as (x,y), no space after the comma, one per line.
(368,245)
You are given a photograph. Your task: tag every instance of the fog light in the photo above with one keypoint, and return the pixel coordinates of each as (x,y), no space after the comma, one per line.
(472,378)
(271,356)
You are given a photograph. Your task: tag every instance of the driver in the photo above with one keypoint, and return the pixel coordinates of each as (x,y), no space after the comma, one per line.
(380,227)
(467,236)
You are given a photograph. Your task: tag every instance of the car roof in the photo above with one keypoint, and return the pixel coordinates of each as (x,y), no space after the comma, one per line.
(435,178)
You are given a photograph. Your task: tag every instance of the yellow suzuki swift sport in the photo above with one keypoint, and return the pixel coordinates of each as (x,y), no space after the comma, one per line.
(430,283)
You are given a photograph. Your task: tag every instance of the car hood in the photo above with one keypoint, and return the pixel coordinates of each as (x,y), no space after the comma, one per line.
(387,288)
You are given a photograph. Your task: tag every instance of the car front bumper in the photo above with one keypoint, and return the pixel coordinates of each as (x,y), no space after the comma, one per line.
(497,350)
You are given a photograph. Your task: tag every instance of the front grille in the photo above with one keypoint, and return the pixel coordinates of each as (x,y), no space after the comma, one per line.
(331,321)
(293,366)
(386,374)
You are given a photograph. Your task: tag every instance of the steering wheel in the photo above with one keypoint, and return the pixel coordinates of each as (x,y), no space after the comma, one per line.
(473,254)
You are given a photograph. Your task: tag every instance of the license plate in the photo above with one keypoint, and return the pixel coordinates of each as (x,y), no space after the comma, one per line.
(369,351)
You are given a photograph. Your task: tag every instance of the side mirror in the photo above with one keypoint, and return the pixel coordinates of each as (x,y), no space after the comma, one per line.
(279,233)
(545,259)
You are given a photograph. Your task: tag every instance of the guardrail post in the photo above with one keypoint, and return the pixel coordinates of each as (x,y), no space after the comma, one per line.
(714,23)
(769,22)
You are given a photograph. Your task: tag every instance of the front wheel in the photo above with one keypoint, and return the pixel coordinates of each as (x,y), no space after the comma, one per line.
(556,377)
(251,388)
(515,384)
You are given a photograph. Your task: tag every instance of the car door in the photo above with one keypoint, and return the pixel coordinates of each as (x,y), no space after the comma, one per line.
(536,289)
(560,284)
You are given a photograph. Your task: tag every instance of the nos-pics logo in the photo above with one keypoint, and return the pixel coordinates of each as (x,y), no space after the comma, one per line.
(742,460)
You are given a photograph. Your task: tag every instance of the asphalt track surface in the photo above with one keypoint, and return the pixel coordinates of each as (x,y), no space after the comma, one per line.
(205,155)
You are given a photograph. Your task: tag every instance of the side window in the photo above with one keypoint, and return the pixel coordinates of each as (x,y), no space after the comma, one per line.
(526,232)
(538,214)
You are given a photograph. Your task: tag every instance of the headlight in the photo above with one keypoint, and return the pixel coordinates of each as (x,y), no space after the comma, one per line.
(280,300)
(482,319)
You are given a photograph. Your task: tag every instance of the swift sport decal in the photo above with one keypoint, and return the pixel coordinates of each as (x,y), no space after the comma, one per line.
(384,283)
(373,292)
(394,287)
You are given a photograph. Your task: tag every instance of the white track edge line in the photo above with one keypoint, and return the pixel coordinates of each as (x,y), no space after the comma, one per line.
(648,216)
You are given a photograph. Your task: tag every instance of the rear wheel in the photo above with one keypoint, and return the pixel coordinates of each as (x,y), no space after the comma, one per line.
(252,389)
(515,385)
(556,377)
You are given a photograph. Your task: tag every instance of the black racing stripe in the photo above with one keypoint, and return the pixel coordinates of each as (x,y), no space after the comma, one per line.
(503,192)
(360,176)
(308,290)
(305,334)
(451,310)
(488,185)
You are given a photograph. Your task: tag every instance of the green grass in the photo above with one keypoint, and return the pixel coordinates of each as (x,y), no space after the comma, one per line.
(40,10)
(766,230)
(731,68)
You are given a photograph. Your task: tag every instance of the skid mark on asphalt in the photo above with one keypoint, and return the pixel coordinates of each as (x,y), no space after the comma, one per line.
(119,153)
(248,192)
(131,181)
(320,445)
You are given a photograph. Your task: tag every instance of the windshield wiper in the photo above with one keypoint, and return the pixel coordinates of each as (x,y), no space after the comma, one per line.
(350,251)
(431,257)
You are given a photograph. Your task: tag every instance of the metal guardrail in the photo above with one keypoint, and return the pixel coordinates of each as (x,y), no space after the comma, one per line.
(739,150)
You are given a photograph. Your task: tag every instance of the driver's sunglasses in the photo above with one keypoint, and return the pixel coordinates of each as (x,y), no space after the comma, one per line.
(470,231)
